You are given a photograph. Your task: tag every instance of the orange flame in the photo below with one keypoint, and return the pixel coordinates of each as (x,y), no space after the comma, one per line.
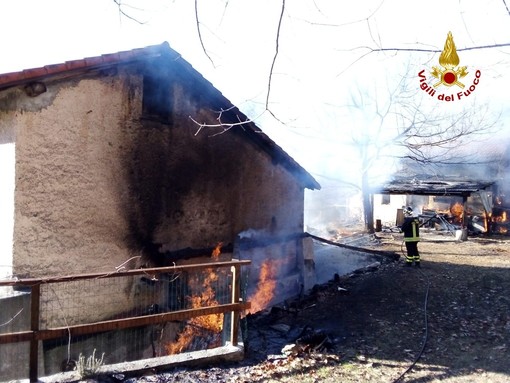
(184,339)
(500,218)
(265,287)
(457,211)
(205,298)
(217,251)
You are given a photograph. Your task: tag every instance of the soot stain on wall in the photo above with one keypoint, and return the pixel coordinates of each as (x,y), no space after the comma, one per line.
(157,176)
(183,187)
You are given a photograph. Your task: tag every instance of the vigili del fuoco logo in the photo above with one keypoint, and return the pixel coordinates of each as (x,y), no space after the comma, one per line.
(449,75)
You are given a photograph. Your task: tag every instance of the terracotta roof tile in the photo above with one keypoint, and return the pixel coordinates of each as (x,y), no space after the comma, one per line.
(111,58)
(34,74)
(55,68)
(76,64)
(10,77)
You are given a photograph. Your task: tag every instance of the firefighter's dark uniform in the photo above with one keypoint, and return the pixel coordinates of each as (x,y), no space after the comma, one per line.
(411,229)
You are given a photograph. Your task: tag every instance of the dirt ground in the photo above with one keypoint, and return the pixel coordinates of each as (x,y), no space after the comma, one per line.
(447,321)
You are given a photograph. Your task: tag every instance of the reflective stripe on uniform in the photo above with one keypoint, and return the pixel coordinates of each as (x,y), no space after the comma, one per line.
(415,237)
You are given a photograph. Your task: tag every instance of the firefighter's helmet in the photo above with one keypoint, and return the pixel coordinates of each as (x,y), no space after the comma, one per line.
(408,211)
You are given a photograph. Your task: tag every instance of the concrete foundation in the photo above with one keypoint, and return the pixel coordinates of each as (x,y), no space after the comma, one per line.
(226,353)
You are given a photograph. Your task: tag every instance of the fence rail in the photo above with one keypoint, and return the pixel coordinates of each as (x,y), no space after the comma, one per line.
(225,276)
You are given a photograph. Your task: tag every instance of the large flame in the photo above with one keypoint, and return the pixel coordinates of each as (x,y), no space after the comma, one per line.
(195,326)
(205,298)
(449,58)
(265,287)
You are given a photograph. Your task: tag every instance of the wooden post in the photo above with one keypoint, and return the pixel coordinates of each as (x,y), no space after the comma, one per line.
(464,212)
(35,300)
(236,293)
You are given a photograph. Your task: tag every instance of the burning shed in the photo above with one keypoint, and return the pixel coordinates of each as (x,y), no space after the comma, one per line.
(134,159)
(451,202)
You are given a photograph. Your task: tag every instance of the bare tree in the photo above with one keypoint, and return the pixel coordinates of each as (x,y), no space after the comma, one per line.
(376,46)
(403,128)
(400,129)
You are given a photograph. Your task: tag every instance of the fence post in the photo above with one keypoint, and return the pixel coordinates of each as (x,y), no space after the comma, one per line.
(35,295)
(236,293)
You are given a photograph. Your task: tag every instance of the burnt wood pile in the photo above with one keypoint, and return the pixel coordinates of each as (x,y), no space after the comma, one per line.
(438,221)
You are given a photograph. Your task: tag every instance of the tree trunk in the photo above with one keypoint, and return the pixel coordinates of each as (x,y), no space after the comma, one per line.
(368,204)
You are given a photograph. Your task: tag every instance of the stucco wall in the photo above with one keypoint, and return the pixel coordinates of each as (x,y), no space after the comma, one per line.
(97,185)
(69,177)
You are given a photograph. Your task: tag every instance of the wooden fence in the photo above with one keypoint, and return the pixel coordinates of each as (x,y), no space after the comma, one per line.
(39,332)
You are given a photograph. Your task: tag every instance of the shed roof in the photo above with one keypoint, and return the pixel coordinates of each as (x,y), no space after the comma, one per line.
(435,187)
(249,130)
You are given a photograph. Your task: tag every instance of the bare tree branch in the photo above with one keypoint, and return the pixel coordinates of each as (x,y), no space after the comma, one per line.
(122,13)
(197,21)
(397,126)
(277,47)
(506,6)
(222,125)
(363,20)
(395,49)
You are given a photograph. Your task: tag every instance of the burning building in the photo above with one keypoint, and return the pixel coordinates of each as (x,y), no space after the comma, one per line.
(447,204)
(132,160)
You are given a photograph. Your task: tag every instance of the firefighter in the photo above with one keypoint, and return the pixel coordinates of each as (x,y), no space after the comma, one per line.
(411,230)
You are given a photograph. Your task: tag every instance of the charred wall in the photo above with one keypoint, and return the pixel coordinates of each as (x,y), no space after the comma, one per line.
(195,187)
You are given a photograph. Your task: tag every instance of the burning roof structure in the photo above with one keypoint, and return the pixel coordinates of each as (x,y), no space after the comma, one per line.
(464,203)
(423,185)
